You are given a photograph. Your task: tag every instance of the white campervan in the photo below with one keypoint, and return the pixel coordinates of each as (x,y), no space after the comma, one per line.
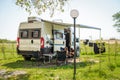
(38,36)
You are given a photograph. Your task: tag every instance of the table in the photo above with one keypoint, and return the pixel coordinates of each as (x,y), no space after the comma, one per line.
(50,56)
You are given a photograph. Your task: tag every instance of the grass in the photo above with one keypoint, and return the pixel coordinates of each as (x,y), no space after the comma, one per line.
(104,66)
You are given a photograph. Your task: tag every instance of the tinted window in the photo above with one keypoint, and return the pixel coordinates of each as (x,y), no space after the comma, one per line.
(24,33)
(35,34)
(59,35)
(30,33)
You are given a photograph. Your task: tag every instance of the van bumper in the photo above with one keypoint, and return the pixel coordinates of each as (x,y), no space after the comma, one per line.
(28,53)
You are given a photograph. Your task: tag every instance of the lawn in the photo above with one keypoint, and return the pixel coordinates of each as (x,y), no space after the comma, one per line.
(104,66)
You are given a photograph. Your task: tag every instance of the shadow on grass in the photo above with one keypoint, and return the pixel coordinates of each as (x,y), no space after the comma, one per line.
(23,64)
(36,64)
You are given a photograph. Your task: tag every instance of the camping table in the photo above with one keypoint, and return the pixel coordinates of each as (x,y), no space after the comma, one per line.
(50,56)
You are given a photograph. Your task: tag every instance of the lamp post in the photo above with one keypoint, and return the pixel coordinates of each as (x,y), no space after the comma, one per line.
(74,14)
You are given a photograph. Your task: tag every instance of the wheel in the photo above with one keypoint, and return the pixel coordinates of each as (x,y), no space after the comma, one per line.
(27,58)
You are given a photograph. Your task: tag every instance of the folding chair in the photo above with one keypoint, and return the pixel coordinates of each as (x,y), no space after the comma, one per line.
(61,57)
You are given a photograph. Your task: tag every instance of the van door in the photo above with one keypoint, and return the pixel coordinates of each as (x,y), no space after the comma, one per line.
(59,41)
(29,39)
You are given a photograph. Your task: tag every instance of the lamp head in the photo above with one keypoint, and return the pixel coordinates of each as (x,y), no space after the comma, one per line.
(74,13)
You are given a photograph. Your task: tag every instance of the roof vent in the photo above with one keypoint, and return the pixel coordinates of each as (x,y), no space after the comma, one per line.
(31,19)
(58,20)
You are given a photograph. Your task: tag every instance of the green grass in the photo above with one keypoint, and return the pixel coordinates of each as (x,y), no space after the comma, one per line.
(107,67)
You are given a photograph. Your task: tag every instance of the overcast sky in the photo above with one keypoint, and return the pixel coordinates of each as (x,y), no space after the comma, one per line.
(97,13)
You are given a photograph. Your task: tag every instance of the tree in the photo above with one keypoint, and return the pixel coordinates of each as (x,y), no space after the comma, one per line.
(116,18)
(41,6)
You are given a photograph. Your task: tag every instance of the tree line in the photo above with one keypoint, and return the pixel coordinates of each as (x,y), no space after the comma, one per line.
(7,41)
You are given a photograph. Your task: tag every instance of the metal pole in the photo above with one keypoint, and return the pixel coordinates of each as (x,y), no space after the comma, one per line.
(74,14)
(74,78)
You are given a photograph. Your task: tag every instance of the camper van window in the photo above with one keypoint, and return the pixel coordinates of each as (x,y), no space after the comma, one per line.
(35,34)
(24,34)
(59,35)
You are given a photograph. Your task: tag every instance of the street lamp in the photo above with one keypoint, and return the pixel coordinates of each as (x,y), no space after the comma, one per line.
(74,14)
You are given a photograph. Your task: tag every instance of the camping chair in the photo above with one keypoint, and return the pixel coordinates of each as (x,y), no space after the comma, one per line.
(61,57)
(46,52)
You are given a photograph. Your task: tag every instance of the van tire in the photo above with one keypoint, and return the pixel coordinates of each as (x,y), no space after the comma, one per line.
(27,58)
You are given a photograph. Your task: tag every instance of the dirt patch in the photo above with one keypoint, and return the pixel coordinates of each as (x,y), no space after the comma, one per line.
(4,74)
(71,60)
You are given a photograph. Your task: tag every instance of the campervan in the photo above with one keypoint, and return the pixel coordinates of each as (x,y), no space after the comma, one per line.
(38,36)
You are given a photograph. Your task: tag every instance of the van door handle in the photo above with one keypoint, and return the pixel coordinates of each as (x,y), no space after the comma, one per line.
(63,42)
(32,41)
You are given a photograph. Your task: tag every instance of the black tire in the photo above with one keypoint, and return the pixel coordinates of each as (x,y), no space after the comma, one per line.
(27,58)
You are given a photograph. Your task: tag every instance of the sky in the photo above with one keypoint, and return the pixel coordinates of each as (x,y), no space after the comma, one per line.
(97,13)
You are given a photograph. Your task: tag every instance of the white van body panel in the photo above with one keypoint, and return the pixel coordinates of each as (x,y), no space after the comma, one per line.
(25,43)
(26,25)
